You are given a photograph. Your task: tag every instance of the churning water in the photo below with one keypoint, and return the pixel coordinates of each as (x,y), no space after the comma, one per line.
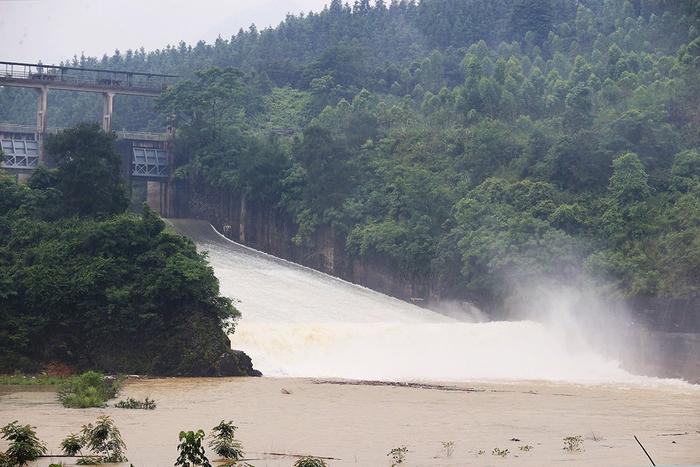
(302,323)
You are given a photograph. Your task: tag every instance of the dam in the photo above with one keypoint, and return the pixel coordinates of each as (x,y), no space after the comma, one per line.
(298,322)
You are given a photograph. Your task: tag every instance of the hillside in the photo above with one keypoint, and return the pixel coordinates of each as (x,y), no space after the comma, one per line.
(465,146)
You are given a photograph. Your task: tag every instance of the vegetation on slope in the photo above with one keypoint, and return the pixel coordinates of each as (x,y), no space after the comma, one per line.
(86,283)
(475,144)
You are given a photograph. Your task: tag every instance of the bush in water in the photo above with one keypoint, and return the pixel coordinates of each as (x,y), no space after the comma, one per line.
(104,440)
(398,455)
(191,450)
(130,403)
(91,389)
(573,443)
(224,443)
(310,462)
(72,444)
(24,446)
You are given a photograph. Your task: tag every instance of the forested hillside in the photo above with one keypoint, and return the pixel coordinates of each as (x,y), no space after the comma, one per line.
(472,144)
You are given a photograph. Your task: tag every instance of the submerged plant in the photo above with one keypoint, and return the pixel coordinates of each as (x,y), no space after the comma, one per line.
(191,451)
(130,403)
(500,452)
(90,389)
(104,440)
(526,448)
(398,455)
(224,443)
(72,444)
(24,445)
(449,447)
(573,443)
(310,462)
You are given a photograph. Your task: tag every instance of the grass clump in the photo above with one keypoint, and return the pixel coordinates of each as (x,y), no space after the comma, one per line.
(131,403)
(90,389)
(310,462)
(24,445)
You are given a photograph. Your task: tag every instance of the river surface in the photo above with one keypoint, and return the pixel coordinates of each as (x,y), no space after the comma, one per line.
(359,424)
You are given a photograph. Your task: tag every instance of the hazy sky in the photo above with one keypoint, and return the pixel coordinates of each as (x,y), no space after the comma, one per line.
(55,30)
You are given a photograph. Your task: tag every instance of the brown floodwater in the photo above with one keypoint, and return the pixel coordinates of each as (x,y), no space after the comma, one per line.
(360,424)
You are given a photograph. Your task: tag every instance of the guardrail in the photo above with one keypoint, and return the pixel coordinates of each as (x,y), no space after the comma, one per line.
(73,76)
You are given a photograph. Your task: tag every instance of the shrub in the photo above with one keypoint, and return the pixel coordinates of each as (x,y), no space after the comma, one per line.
(72,444)
(224,443)
(310,462)
(24,446)
(91,389)
(191,451)
(146,404)
(104,440)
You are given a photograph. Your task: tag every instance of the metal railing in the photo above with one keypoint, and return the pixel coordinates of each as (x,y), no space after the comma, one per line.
(73,76)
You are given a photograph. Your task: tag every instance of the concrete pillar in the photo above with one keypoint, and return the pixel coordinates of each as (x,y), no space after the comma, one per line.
(107,112)
(42,104)
(154,196)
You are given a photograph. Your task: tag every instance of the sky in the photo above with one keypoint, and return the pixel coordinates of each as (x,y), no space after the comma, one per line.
(55,30)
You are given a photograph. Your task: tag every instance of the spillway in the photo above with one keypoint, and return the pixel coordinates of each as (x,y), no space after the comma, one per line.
(302,323)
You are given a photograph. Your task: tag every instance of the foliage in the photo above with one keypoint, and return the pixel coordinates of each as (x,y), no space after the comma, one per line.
(24,445)
(130,403)
(88,173)
(90,389)
(92,287)
(191,450)
(72,444)
(224,442)
(398,455)
(573,443)
(310,462)
(104,440)
(484,144)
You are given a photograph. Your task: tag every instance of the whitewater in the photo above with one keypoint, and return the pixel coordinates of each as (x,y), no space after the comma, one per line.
(298,322)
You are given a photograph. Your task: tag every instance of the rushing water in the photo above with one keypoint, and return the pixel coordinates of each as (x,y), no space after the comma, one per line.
(302,323)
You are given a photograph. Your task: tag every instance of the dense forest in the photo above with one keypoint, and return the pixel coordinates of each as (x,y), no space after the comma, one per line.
(476,144)
(86,284)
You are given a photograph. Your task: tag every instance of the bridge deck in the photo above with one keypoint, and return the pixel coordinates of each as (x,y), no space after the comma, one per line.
(32,75)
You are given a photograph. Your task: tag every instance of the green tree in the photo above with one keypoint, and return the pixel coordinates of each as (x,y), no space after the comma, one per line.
(89,171)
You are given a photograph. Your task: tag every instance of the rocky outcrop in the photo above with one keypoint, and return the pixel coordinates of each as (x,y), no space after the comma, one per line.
(236,363)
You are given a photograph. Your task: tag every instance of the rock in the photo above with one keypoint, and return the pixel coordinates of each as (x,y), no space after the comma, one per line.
(236,363)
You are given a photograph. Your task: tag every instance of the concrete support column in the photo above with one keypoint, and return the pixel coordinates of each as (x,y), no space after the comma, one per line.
(107,112)
(42,104)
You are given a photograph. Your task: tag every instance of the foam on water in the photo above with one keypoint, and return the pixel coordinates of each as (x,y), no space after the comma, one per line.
(303,323)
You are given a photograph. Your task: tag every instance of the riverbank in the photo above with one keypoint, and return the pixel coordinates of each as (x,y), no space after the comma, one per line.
(357,424)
